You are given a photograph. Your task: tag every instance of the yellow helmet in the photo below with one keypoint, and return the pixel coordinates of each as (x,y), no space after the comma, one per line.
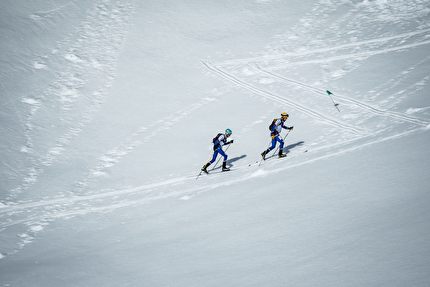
(284,115)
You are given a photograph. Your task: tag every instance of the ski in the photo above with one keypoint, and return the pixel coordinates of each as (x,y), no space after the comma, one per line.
(208,173)
(271,157)
(256,162)
(263,160)
(220,171)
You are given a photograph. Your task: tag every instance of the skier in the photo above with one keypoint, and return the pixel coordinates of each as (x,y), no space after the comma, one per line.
(219,141)
(275,130)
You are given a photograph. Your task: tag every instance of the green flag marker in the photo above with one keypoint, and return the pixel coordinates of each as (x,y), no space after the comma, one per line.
(330,93)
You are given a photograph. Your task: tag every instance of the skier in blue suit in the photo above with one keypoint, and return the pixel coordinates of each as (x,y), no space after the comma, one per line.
(275,131)
(219,141)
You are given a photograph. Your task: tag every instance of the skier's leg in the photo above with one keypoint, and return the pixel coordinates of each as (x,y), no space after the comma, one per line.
(222,153)
(214,156)
(224,163)
(281,141)
(274,139)
(281,146)
(264,153)
(204,168)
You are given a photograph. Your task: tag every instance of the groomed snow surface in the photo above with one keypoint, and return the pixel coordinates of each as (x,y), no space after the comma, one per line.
(109,108)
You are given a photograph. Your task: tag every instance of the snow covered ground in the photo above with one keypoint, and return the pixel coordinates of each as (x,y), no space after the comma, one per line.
(109,108)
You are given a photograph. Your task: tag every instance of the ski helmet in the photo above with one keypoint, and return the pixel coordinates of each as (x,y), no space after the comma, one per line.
(284,115)
(228,131)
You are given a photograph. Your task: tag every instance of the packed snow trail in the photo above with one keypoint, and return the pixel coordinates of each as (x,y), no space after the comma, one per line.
(317,116)
(345,100)
(184,187)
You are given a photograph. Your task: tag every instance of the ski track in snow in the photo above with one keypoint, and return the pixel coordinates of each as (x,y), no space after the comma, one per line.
(284,59)
(364,106)
(140,137)
(66,93)
(73,90)
(184,187)
(316,115)
(88,57)
(358,55)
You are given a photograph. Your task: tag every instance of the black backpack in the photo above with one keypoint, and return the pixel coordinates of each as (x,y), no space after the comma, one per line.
(272,124)
(216,138)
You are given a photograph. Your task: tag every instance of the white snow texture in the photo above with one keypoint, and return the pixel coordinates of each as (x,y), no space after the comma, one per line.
(108,112)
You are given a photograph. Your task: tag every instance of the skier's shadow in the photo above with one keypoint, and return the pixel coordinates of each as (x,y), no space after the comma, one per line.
(286,149)
(230,161)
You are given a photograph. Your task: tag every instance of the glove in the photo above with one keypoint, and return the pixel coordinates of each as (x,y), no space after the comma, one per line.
(291,128)
(230,142)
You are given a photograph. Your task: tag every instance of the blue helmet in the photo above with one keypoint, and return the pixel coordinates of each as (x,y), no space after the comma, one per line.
(228,131)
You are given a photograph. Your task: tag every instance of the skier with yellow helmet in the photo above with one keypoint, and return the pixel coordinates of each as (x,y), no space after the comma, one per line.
(275,131)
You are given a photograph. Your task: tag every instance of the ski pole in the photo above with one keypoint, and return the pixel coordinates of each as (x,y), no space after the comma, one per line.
(220,158)
(266,149)
(202,170)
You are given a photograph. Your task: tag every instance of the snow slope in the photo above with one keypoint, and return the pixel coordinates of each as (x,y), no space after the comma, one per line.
(109,109)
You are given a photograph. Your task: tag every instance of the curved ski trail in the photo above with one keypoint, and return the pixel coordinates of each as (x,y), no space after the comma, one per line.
(360,104)
(317,116)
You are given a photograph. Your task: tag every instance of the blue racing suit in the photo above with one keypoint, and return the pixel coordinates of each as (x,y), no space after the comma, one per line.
(275,134)
(222,140)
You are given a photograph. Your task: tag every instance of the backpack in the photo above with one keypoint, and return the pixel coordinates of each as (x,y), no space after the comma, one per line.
(272,124)
(216,138)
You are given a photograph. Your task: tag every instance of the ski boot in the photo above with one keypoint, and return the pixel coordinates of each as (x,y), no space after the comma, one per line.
(224,166)
(264,153)
(204,168)
(281,154)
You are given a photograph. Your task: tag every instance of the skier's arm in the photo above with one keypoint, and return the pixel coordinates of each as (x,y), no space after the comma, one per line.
(287,128)
(223,140)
